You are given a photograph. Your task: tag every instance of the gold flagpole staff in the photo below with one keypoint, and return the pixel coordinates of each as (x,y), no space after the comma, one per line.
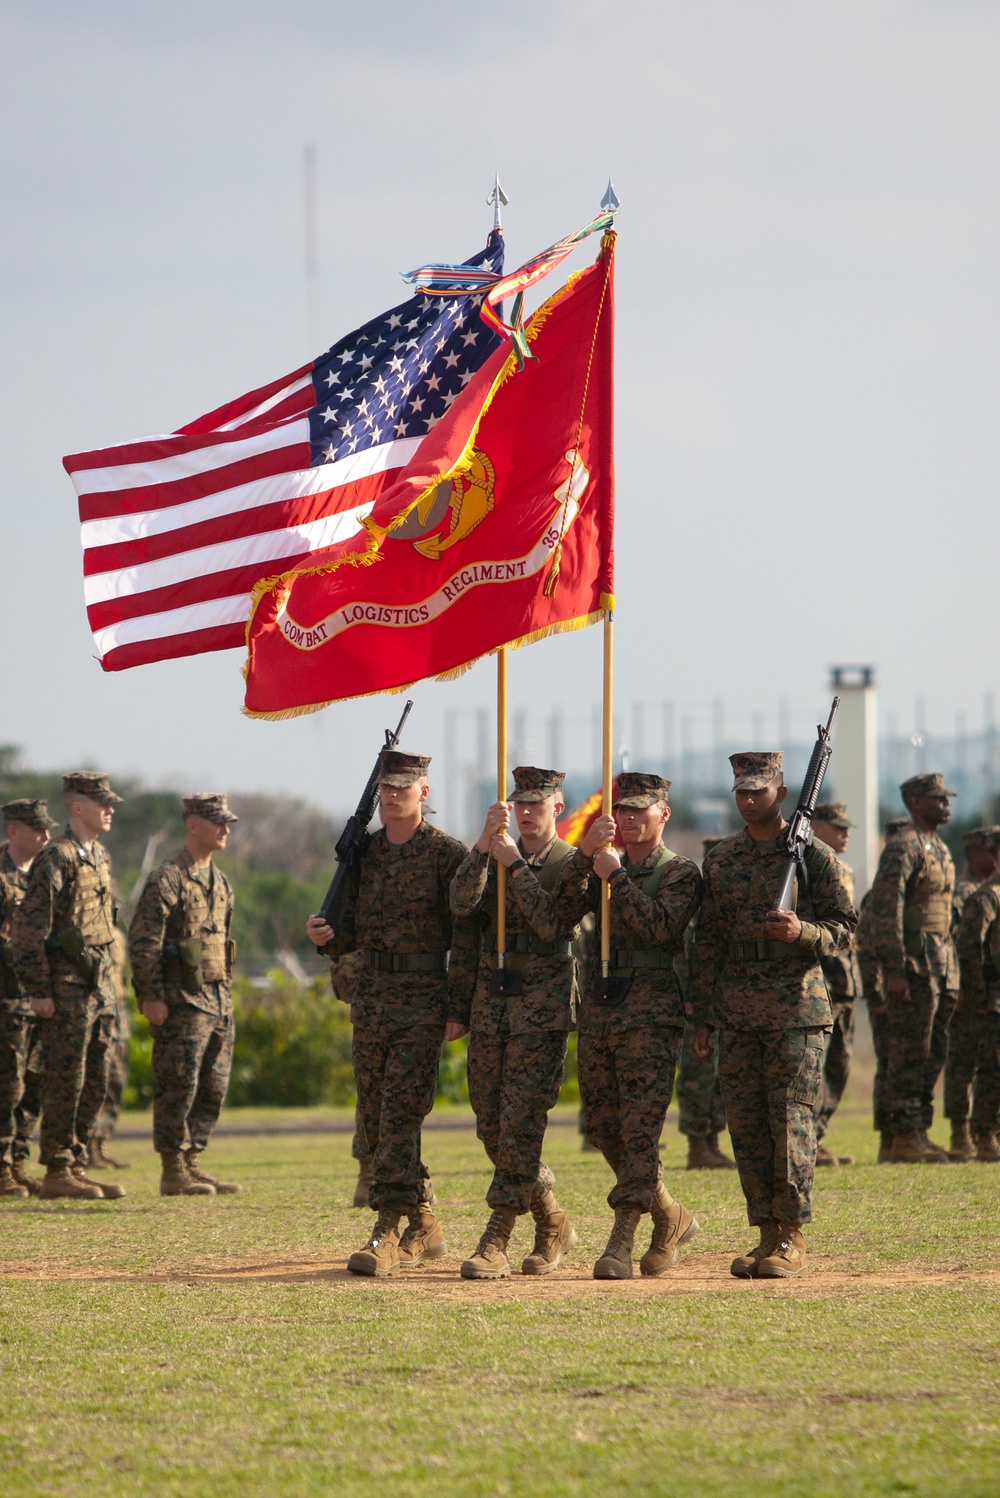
(606,774)
(501,796)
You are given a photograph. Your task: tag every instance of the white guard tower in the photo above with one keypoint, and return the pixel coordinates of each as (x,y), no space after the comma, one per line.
(855,768)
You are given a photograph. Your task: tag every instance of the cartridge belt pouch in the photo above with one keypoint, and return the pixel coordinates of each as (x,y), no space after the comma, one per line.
(183,964)
(71,945)
(406,962)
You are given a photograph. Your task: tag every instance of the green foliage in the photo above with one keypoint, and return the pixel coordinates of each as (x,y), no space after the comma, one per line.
(270,910)
(293,1045)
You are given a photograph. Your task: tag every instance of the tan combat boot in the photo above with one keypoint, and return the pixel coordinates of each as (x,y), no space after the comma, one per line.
(99,1159)
(615,1262)
(554,1234)
(701,1155)
(111,1192)
(363,1182)
(987,1149)
(8,1185)
(21,1176)
(745,1266)
(489,1262)
(672,1226)
(194,1170)
(722,1160)
(961,1147)
(380,1255)
(885,1148)
(823,1155)
(422,1241)
(175,1180)
(935,1149)
(61,1181)
(788,1256)
(912,1149)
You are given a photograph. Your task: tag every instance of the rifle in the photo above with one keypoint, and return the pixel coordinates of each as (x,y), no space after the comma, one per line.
(355,837)
(799,834)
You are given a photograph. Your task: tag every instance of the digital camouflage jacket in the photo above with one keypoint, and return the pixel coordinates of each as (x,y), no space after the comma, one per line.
(68,886)
(547,996)
(398,903)
(911,908)
(181,903)
(978,945)
(13,884)
(743,979)
(640,923)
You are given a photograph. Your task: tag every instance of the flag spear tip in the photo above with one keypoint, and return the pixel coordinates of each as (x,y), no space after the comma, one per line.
(610,201)
(497,198)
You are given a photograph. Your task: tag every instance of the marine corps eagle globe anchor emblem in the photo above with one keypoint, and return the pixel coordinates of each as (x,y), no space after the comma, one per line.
(452,510)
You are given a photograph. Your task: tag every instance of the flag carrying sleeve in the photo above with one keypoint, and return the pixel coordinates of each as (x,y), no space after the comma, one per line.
(178,529)
(498,532)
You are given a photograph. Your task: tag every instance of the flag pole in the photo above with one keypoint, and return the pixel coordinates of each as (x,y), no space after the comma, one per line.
(606,775)
(501,796)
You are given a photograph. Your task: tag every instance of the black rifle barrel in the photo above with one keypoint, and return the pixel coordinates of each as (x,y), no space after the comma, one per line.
(799,835)
(353,840)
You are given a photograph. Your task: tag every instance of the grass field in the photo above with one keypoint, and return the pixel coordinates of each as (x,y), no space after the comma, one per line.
(218,1346)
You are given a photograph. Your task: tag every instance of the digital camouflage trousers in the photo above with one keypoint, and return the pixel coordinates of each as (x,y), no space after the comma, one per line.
(918,1044)
(836,1064)
(770,1082)
(699,1096)
(513,1083)
(626,1083)
(75,1045)
(395,1073)
(970,1081)
(192,1060)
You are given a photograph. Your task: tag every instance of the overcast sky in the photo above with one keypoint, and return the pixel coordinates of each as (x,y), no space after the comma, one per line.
(809,340)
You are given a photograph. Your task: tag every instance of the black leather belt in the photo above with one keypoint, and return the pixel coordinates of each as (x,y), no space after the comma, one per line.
(525,941)
(627,957)
(760,951)
(406,962)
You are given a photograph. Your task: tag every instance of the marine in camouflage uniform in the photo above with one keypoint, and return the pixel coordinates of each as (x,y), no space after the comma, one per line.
(27,826)
(118,1064)
(182,958)
(970,1057)
(63,939)
(843,979)
(767,996)
(630,1032)
(699,1094)
(910,927)
(518,1021)
(873,991)
(397,913)
(978,945)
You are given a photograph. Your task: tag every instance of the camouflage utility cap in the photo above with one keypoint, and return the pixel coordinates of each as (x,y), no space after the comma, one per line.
(532,784)
(925,785)
(400,770)
(834,812)
(97,787)
(32,813)
(210,806)
(637,791)
(897,824)
(753,771)
(982,837)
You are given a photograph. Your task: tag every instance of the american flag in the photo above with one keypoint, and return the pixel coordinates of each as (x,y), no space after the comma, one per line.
(177,529)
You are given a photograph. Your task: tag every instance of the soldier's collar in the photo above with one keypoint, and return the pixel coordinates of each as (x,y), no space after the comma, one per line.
(534,859)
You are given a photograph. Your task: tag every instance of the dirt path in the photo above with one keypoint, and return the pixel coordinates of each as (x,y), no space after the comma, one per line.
(706,1274)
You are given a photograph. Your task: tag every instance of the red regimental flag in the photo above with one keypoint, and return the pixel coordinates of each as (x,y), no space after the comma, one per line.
(499,532)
